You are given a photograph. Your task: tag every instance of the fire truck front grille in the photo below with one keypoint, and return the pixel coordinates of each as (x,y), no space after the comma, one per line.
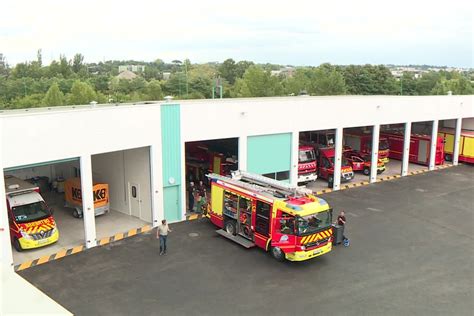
(317,243)
(42,235)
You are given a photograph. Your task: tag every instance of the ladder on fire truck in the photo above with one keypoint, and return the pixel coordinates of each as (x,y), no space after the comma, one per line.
(259,183)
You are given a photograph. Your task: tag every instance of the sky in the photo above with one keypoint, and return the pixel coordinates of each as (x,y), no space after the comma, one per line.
(297,32)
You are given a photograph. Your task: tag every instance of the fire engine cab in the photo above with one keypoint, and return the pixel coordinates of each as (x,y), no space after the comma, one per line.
(288,221)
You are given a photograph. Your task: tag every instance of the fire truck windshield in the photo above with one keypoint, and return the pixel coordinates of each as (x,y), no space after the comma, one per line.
(306,155)
(383,144)
(312,223)
(30,212)
(344,162)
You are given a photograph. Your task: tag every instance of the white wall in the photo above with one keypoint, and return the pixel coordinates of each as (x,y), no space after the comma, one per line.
(118,169)
(467,123)
(69,133)
(109,168)
(211,119)
(137,170)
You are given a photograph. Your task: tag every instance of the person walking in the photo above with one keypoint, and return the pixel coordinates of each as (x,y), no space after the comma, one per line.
(162,234)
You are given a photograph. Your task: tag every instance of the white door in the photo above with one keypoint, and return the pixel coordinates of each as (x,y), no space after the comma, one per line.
(134,198)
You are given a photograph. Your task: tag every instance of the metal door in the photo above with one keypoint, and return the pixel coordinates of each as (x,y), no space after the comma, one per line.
(134,198)
(423,151)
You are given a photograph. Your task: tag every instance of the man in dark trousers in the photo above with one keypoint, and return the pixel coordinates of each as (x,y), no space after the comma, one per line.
(341,220)
(191,193)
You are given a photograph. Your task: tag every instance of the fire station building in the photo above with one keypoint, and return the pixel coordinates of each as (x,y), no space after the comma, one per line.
(148,152)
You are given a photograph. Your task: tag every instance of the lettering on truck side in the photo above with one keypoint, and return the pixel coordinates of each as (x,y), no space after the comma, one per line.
(99,195)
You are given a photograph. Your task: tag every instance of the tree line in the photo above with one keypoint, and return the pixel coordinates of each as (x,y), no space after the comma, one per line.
(72,81)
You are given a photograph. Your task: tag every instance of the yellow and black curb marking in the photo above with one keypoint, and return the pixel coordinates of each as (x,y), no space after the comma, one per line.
(67,252)
(193,217)
(382,179)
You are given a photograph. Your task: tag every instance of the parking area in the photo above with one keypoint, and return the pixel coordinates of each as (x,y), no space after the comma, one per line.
(411,253)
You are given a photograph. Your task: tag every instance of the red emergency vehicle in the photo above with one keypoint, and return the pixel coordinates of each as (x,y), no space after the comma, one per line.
(288,221)
(420,147)
(200,160)
(325,161)
(362,162)
(31,221)
(362,142)
(307,166)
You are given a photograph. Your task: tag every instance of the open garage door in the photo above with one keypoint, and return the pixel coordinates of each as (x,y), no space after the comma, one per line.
(127,174)
(203,157)
(34,232)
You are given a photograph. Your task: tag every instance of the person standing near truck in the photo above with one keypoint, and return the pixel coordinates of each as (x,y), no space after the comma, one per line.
(341,220)
(162,233)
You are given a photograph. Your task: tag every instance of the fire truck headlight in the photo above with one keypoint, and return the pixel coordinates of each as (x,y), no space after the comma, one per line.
(26,235)
(54,231)
(303,248)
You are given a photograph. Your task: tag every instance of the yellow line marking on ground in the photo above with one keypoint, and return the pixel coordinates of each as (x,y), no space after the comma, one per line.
(43,259)
(192,217)
(77,249)
(60,254)
(118,236)
(104,241)
(132,232)
(25,265)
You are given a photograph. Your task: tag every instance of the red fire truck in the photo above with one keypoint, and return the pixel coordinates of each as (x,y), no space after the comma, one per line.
(288,221)
(362,162)
(362,142)
(307,166)
(325,161)
(200,160)
(420,147)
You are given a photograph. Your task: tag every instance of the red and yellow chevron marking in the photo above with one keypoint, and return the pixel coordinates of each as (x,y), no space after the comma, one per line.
(316,237)
(35,227)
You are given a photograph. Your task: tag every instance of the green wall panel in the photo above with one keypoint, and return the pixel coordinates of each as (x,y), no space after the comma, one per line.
(171,143)
(171,155)
(172,203)
(269,153)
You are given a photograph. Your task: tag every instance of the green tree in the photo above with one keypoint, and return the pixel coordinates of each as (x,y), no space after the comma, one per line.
(328,81)
(77,63)
(228,70)
(81,93)
(426,83)
(153,90)
(54,96)
(257,83)
(408,84)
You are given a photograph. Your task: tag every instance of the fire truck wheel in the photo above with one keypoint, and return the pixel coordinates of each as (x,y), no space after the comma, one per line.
(448,157)
(76,214)
(277,253)
(330,181)
(230,227)
(16,244)
(366,171)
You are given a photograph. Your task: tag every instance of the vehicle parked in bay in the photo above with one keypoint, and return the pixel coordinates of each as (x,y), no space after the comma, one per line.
(466,144)
(362,141)
(420,147)
(325,161)
(307,165)
(31,221)
(73,197)
(362,162)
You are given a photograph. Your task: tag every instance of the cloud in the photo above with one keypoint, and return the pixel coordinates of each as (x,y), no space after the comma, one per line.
(288,32)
